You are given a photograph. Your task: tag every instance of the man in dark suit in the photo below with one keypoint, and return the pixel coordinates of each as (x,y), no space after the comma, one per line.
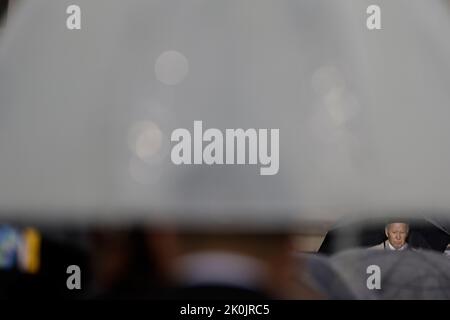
(397,234)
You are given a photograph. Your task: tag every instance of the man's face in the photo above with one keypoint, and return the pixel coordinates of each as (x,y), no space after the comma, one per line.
(397,233)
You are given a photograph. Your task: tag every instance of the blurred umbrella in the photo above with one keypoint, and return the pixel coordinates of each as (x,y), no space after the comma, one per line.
(351,233)
(404,275)
(317,272)
(86,116)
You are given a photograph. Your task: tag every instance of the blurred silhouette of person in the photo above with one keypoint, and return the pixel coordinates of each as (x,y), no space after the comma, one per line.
(129,263)
(397,234)
(236,266)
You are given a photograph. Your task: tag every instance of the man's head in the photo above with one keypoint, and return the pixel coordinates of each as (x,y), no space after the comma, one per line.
(397,232)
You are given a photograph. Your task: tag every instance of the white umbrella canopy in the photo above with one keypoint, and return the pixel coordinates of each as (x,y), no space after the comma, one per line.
(86,116)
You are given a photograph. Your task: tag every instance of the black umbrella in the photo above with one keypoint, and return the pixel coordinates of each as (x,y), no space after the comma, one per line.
(425,233)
